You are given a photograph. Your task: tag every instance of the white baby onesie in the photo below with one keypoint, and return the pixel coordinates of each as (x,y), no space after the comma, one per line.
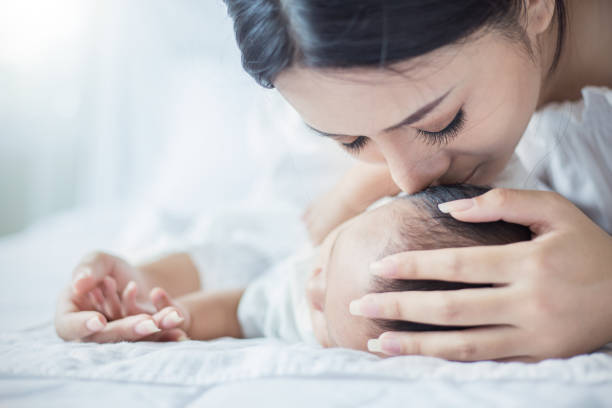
(275,304)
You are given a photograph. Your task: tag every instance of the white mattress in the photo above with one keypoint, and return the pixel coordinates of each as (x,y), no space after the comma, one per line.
(39,369)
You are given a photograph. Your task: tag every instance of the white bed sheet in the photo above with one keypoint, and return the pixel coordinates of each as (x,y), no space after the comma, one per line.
(39,369)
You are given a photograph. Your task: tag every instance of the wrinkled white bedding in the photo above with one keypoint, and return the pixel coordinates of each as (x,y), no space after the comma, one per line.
(38,369)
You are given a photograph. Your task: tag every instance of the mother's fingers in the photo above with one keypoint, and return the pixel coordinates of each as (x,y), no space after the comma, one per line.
(131,328)
(483,264)
(167,336)
(73,324)
(537,209)
(78,325)
(465,307)
(483,343)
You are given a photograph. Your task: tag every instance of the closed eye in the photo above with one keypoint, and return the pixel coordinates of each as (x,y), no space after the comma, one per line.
(356,145)
(440,137)
(445,135)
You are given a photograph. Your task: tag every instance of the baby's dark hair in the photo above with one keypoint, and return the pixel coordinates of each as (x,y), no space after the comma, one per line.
(435,230)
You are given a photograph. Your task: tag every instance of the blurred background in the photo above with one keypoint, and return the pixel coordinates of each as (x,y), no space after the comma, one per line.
(114,102)
(130,127)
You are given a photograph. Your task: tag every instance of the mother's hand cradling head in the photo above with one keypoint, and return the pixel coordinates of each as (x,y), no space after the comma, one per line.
(550,296)
(107,302)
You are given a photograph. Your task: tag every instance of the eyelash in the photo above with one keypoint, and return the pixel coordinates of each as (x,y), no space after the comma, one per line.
(441,137)
(445,135)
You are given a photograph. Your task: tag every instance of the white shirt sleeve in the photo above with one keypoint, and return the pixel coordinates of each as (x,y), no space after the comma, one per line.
(567,148)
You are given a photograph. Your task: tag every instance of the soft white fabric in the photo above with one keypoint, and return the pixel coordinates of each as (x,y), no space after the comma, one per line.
(567,148)
(275,304)
(39,369)
(198,368)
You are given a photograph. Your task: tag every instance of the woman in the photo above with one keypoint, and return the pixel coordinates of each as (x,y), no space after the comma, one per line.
(436,92)
(440,92)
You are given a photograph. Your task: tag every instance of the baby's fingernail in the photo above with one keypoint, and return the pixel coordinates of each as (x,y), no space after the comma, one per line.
(456,206)
(182,337)
(173,318)
(94,324)
(385,267)
(146,327)
(130,286)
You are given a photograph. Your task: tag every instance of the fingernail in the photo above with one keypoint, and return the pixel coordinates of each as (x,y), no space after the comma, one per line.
(146,327)
(94,324)
(172,318)
(364,307)
(130,286)
(456,206)
(374,346)
(355,308)
(386,268)
(182,337)
(85,272)
(390,346)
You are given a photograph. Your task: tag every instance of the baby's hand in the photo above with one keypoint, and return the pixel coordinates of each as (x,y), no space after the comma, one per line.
(171,314)
(170,319)
(103,305)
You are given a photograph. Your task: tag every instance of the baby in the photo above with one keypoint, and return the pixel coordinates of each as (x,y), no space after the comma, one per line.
(307,297)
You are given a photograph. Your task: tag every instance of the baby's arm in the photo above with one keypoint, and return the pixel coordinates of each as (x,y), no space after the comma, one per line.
(212,314)
(360,186)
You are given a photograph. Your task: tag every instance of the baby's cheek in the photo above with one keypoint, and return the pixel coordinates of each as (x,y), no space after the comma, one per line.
(352,332)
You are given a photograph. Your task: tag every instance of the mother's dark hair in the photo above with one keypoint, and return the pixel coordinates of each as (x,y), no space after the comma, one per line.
(275,34)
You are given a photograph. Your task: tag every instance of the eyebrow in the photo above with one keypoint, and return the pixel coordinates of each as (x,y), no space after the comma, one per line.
(415,117)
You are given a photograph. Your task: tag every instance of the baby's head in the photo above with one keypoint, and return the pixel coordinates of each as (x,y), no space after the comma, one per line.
(404,224)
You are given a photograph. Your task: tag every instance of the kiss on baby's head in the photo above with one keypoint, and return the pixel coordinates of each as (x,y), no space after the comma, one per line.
(407,223)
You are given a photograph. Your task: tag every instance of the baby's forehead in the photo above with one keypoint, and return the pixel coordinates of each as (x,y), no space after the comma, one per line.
(349,278)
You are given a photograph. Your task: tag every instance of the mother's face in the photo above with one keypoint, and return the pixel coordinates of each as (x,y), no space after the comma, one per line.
(452,116)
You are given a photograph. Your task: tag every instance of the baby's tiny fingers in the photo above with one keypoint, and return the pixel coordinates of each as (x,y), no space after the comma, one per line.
(130,305)
(160,298)
(129,298)
(112,298)
(168,318)
(97,298)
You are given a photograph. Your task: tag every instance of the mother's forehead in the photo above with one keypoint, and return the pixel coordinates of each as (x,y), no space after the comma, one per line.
(346,102)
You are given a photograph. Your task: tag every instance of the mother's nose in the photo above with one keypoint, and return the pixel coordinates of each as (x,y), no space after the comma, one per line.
(412,170)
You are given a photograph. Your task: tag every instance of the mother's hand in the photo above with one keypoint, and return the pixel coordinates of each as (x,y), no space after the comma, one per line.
(552,296)
(103,305)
